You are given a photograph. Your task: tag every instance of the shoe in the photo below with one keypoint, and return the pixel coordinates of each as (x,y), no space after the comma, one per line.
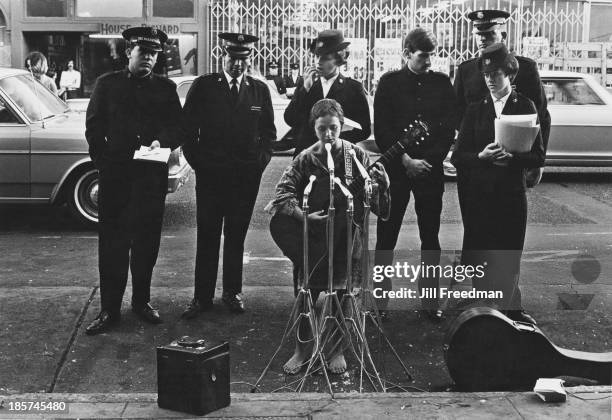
(147,313)
(195,307)
(521,316)
(102,323)
(434,315)
(233,301)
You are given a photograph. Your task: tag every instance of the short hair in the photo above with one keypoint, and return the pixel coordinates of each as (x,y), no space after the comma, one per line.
(510,66)
(420,39)
(324,108)
(38,62)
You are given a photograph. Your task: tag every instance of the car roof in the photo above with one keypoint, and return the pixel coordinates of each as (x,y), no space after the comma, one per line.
(552,74)
(8,72)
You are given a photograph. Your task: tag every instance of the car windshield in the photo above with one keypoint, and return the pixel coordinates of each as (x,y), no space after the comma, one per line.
(570,92)
(36,101)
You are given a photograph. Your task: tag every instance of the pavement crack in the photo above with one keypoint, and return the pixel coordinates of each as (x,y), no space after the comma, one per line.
(75,330)
(514,406)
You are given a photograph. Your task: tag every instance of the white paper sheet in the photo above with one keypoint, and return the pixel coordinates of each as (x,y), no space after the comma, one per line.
(160,154)
(516,133)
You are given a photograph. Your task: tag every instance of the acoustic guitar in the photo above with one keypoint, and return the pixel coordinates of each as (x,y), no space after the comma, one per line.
(487,351)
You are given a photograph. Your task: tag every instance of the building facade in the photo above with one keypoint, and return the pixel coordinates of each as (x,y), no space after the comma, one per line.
(89,32)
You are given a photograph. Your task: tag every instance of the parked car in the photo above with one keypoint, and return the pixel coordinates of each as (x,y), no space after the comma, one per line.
(581,115)
(43,152)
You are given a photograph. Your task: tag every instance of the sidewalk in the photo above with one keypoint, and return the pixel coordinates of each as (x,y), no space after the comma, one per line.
(585,403)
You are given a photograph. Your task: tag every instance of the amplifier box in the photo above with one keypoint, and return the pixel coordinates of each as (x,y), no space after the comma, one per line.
(193,376)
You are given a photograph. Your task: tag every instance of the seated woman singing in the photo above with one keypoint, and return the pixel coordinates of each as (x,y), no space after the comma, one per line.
(286,225)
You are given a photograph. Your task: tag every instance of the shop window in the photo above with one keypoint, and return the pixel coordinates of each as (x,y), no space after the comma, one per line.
(173,8)
(109,8)
(601,15)
(46,8)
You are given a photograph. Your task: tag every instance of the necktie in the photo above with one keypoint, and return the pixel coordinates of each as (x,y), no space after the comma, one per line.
(234,91)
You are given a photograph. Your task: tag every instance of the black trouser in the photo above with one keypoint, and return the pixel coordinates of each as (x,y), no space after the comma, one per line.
(495,233)
(224,200)
(131,205)
(428,207)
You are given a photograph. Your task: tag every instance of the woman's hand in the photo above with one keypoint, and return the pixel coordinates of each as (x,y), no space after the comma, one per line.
(380,177)
(491,152)
(504,159)
(317,217)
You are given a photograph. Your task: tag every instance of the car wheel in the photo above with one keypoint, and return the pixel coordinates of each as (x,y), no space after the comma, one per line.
(83,197)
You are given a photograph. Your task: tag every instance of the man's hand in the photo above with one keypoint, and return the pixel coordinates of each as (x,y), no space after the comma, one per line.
(154,145)
(310,75)
(380,177)
(415,168)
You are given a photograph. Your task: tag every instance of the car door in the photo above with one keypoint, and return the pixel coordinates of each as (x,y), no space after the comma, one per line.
(14,154)
(581,131)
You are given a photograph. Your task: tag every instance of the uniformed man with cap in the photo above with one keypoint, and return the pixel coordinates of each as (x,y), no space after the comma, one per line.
(129,109)
(489,28)
(402,96)
(273,75)
(229,129)
(324,80)
(293,79)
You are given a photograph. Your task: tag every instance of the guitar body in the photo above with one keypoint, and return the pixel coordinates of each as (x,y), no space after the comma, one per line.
(487,351)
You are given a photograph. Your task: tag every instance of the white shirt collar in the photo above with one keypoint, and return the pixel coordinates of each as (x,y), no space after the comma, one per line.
(500,103)
(229,80)
(326,84)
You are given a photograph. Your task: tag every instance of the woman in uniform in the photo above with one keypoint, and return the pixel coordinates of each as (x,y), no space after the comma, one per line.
(497,202)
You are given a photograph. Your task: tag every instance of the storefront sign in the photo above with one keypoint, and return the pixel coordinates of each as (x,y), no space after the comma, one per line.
(117,28)
(387,55)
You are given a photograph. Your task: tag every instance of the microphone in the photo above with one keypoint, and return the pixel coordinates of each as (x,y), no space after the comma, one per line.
(330,160)
(360,167)
(309,186)
(344,190)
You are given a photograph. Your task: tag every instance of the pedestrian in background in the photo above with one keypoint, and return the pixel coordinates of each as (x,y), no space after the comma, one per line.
(39,68)
(70,81)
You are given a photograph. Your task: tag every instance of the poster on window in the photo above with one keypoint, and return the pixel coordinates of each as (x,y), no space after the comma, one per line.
(387,55)
(444,35)
(536,47)
(356,66)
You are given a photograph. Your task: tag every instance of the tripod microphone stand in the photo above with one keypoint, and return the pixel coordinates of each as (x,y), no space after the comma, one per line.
(303,309)
(368,308)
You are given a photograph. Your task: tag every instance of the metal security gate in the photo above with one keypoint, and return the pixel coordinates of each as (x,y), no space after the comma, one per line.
(376,28)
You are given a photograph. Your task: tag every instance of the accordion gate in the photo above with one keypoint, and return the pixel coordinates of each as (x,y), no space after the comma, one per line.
(285,27)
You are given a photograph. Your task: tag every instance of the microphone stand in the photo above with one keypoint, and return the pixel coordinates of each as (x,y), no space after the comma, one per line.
(368,307)
(303,311)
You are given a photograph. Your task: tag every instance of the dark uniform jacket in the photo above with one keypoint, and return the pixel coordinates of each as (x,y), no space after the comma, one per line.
(478,130)
(221,136)
(402,97)
(348,92)
(470,87)
(291,84)
(279,82)
(126,112)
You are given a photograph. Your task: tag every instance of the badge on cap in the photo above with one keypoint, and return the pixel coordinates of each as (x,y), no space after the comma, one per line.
(320,44)
(487,61)
(240,38)
(480,15)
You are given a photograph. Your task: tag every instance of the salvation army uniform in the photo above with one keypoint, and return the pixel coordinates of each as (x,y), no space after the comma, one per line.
(125,112)
(470,86)
(278,80)
(348,92)
(228,143)
(496,195)
(290,81)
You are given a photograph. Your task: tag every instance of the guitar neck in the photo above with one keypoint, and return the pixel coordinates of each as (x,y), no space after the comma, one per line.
(392,152)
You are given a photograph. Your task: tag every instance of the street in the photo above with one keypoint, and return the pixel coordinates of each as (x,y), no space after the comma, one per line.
(49,279)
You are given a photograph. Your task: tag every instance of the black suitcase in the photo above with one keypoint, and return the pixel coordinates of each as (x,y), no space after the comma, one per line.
(193,376)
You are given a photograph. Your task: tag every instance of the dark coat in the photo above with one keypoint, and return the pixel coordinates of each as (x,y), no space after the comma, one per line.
(291,84)
(478,130)
(402,97)
(348,92)
(126,112)
(470,87)
(221,136)
(279,82)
